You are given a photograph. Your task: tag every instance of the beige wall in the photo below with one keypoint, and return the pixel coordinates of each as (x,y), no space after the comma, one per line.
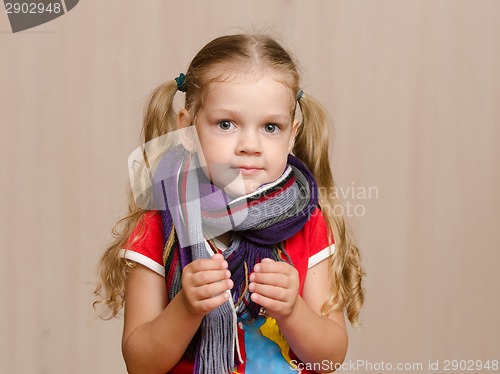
(412,86)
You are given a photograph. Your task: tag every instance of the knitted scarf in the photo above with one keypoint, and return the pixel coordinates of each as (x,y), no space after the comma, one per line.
(193,208)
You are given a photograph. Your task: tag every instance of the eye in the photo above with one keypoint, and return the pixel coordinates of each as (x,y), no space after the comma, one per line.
(271,128)
(225,125)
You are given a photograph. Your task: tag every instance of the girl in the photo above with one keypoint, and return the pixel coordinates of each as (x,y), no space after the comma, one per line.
(235,269)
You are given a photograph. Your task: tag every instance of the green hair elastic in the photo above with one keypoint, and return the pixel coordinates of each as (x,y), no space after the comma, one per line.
(181,82)
(300,94)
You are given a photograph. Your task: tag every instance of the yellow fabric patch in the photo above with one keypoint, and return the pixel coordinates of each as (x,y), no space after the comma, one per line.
(271,331)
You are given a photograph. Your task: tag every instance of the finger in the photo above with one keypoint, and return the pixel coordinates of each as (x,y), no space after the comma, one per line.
(208,291)
(206,264)
(271,292)
(274,267)
(267,260)
(270,304)
(201,278)
(274,279)
(207,305)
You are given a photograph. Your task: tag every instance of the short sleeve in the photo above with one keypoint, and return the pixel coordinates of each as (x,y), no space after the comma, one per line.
(310,245)
(320,248)
(145,244)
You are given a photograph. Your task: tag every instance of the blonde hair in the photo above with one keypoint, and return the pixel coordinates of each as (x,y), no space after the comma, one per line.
(311,146)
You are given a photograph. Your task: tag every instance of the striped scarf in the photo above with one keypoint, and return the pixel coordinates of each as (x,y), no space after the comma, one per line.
(193,208)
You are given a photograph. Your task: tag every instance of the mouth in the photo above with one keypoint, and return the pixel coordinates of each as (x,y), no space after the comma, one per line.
(247,170)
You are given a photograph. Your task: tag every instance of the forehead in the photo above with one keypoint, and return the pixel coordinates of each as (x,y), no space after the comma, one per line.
(267,86)
(247,72)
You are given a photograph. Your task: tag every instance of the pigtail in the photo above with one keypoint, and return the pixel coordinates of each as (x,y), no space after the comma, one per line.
(113,268)
(159,119)
(311,146)
(159,115)
(311,141)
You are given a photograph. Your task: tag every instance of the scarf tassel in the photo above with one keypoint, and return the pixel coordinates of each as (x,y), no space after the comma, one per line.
(218,332)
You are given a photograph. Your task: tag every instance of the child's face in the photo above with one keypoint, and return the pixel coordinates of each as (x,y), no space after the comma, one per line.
(245,126)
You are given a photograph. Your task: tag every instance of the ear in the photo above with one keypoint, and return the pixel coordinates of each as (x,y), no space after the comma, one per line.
(183,119)
(185,130)
(295,127)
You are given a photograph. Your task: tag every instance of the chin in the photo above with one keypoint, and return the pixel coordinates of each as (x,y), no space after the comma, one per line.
(238,191)
(239,185)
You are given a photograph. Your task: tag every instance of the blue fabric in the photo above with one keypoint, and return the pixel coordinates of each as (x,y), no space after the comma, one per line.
(263,355)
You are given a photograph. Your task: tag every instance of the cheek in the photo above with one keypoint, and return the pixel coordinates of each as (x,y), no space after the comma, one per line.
(212,146)
(206,148)
(281,151)
(210,154)
(279,165)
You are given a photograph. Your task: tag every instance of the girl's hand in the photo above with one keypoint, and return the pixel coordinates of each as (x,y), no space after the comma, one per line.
(275,286)
(204,285)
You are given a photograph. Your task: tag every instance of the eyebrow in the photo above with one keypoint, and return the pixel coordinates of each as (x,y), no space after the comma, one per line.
(235,113)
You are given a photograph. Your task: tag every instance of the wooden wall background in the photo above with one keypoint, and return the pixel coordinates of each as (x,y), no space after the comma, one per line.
(413,88)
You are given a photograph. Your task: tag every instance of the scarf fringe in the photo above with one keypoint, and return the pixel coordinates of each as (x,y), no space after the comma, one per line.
(219,331)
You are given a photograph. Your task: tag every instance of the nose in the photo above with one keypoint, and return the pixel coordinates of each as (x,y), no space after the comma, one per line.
(249,142)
